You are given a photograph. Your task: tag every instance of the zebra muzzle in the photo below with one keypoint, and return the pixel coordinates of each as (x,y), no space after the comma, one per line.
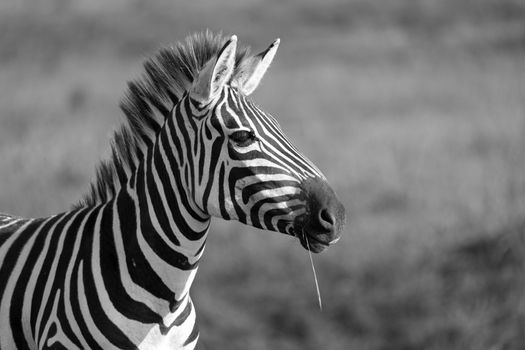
(324,220)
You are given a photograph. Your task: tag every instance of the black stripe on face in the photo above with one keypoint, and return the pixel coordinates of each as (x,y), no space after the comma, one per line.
(269,132)
(254,188)
(215,155)
(202,153)
(235,104)
(229,122)
(238,173)
(233,154)
(270,214)
(272,134)
(280,149)
(256,216)
(284,225)
(222,192)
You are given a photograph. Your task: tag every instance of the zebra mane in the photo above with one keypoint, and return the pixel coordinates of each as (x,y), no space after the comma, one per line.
(147,103)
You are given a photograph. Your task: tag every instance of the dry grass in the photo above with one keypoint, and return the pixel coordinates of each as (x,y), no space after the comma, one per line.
(415,111)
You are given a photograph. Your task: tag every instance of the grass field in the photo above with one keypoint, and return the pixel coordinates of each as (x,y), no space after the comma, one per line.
(415,111)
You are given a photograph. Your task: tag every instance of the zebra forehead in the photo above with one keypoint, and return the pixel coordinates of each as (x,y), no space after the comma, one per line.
(236,113)
(230,122)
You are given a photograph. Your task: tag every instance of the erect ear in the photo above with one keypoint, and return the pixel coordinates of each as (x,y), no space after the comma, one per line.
(249,74)
(215,73)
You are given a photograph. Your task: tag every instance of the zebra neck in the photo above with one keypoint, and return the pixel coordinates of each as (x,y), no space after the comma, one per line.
(141,280)
(161,251)
(163,229)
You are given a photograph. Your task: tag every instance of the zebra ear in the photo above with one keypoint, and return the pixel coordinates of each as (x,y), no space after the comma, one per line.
(249,74)
(215,73)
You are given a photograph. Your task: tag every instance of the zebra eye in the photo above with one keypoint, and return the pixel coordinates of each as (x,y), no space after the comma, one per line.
(243,138)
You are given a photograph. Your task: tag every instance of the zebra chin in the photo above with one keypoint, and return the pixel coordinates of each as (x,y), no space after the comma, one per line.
(323,222)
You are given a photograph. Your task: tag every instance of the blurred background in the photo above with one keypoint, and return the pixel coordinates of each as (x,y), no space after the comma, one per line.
(415,111)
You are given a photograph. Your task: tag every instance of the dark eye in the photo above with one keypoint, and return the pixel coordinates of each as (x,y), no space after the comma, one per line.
(243,138)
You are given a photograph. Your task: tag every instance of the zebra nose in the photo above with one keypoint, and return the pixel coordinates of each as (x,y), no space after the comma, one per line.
(327,212)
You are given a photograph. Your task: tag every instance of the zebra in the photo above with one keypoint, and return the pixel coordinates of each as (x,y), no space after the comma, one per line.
(114,272)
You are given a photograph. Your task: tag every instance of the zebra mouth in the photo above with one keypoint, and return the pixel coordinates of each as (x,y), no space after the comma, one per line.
(309,241)
(321,224)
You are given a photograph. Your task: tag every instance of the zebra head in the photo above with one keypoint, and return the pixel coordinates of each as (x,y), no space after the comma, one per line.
(244,167)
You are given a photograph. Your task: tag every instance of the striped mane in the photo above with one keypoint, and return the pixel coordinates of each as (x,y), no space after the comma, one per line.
(147,103)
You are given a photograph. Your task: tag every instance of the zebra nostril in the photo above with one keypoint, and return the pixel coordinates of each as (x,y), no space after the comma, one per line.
(326,219)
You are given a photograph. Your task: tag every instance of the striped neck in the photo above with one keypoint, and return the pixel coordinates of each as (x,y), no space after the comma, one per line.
(165,233)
